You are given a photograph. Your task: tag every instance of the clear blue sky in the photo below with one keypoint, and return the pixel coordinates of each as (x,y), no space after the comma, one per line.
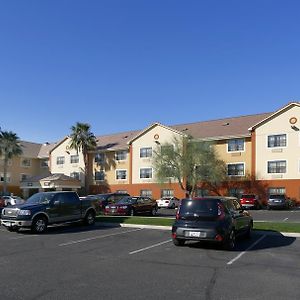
(122,65)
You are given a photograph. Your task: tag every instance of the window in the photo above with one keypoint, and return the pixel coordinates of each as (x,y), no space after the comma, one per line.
(99,158)
(278,140)
(74,159)
(7,177)
(146,193)
(121,191)
(75,175)
(146,173)
(121,174)
(236,169)
(235,145)
(60,160)
(121,155)
(276,190)
(24,177)
(201,192)
(278,166)
(45,163)
(25,162)
(146,152)
(99,175)
(235,192)
(167,193)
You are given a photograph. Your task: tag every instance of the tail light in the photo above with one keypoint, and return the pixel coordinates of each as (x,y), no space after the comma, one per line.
(174,235)
(218,238)
(221,211)
(177,215)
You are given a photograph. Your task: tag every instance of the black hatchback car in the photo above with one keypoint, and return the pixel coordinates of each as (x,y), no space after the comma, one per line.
(213,219)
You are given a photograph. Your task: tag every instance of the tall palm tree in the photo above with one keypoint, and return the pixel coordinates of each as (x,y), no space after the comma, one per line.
(82,139)
(10,146)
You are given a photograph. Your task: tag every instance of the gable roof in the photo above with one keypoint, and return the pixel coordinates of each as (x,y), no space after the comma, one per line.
(274,115)
(221,128)
(117,141)
(140,133)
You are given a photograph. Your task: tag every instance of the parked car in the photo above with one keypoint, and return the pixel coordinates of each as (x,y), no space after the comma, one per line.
(108,198)
(277,201)
(213,219)
(12,200)
(130,206)
(167,202)
(46,208)
(251,201)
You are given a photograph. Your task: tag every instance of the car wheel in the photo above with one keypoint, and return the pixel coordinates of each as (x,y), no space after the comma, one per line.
(249,231)
(178,242)
(230,241)
(39,224)
(90,218)
(154,211)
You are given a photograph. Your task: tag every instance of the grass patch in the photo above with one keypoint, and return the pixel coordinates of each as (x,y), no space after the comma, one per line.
(161,221)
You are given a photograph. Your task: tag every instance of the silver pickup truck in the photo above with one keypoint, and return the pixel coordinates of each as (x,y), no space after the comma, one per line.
(46,208)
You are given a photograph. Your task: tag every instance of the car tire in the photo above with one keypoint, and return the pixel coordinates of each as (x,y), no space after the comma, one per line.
(178,242)
(230,241)
(249,231)
(39,224)
(90,218)
(154,211)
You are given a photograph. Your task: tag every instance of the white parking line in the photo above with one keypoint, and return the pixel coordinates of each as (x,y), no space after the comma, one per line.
(249,248)
(97,237)
(152,246)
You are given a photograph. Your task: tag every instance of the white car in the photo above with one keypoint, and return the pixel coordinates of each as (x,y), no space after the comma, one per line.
(167,202)
(12,200)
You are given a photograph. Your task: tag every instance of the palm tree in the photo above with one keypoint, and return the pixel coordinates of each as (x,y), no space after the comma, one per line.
(10,146)
(82,139)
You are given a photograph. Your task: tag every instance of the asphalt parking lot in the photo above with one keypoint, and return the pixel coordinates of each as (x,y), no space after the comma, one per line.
(78,262)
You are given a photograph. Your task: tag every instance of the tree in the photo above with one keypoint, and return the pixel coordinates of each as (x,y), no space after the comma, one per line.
(10,146)
(190,162)
(82,139)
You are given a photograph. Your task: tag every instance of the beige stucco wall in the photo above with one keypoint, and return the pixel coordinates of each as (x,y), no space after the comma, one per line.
(291,153)
(110,166)
(67,168)
(165,135)
(235,156)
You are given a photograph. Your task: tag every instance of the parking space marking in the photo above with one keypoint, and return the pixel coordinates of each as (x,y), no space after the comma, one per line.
(97,237)
(149,247)
(249,248)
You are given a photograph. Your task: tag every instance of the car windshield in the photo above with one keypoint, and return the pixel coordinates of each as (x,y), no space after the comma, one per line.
(127,200)
(102,197)
(203,207)
(40,198)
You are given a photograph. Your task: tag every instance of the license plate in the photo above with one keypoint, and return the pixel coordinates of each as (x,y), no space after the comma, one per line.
(195,234)
(277,201)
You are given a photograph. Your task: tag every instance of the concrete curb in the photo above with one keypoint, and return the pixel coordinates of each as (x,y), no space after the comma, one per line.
(168,228)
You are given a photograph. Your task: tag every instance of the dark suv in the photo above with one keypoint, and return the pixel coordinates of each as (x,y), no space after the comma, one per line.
(214,219)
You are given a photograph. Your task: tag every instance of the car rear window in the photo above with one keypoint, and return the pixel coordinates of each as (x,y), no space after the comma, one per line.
(201,207)
(248,196)
(276,197)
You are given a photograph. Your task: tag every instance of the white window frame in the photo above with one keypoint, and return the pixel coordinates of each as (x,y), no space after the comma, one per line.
(277,160)
(74,156)
(71,175)
(42,163)
(146,177)
(57,160)
(147,194)
(8,177)
(97,156)
(237,163)
(239,139)
(119,153)
(149,147)
(277,134)
(26,176)
(121,170)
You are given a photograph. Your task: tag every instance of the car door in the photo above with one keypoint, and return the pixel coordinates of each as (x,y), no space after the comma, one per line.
(235,214)
(242,219)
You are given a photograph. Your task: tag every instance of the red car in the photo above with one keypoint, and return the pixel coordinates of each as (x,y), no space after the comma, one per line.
(250,201)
